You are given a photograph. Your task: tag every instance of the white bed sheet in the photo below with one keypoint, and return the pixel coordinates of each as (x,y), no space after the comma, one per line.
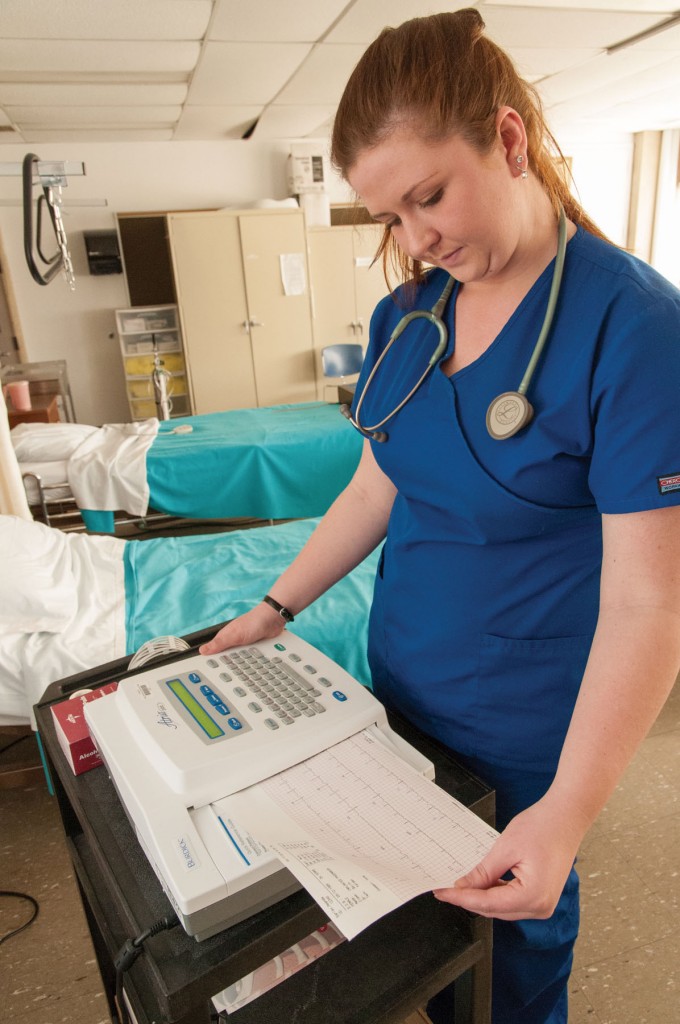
(89,574)
(48,442)
(108,470)
(101,468)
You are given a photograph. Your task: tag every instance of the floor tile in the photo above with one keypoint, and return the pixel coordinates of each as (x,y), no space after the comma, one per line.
(580,1010)
(640,986)
(618,911)
(669,717)
(652,853)
(645,791)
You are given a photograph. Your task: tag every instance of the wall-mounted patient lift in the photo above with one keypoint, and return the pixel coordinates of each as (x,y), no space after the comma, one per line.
(50,177)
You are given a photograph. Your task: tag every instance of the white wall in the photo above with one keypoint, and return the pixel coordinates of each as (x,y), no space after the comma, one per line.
(665,255)
(79,326)
(601,167)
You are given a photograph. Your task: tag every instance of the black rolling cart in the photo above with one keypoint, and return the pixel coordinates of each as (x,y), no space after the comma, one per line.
(380,977)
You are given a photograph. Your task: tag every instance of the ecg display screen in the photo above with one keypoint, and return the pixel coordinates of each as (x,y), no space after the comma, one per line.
(197,712)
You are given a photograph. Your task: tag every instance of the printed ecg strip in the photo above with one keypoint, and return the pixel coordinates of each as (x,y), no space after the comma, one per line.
(366,804)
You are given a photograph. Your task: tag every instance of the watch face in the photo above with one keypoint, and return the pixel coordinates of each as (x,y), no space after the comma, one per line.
(507,414)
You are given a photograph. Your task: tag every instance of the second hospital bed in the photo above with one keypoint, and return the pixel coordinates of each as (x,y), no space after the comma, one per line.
(280,462)
(71,602)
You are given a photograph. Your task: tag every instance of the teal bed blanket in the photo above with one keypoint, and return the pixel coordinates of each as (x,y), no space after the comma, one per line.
(281,462)
(278,462)
(177,585)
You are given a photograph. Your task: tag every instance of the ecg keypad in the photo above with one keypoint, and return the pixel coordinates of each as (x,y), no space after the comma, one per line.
(277,688)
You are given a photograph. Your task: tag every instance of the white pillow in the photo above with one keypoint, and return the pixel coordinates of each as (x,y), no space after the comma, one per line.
(48,442)
(38,590)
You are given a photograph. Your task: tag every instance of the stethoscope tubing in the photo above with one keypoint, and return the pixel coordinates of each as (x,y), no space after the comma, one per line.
(552,303)
(435,318)
(434,315)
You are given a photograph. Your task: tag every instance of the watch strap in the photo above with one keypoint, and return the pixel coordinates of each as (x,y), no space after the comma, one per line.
(283,612)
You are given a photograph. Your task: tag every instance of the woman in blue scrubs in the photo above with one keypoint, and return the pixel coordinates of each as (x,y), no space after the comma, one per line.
(527,602)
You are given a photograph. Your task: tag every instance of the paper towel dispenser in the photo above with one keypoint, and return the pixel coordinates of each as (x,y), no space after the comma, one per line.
(103,252)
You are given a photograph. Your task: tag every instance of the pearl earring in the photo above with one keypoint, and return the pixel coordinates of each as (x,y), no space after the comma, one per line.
(519,160)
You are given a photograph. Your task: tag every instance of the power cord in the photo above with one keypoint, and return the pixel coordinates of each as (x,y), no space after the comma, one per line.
(128,953)
(20,739)
(36,911)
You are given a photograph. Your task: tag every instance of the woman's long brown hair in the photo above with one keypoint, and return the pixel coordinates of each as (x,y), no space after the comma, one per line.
(444,77)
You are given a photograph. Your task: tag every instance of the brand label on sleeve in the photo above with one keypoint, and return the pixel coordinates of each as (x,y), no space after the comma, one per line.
(668,483)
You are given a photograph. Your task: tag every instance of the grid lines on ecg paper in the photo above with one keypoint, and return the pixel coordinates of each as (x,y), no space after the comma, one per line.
(362,801)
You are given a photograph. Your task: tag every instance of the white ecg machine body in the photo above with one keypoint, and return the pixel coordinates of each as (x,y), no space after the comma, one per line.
(179,738)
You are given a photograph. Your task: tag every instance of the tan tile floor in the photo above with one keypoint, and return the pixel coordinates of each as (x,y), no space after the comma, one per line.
(627,967)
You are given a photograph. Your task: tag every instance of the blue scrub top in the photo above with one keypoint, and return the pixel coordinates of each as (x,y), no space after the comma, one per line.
(487,591)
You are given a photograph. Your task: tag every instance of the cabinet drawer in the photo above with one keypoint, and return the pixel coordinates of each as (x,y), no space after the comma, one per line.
(138,366)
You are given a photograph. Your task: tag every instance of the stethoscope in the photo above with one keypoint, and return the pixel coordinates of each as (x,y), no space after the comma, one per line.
(508,413)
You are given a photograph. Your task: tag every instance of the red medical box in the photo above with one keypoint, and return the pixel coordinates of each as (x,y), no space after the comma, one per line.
(72,732)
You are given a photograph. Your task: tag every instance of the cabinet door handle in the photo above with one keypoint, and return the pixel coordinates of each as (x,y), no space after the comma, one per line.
(247,324)
(357,325)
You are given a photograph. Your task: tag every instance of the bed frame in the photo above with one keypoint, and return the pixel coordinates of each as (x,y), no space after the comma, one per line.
(61,511)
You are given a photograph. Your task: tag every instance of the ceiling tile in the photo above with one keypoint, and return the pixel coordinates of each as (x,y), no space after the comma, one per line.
(660,7)
(93,116)
(522,27)
(95,57)
(606,71)
(99,135)
(662,78)
(623,118)
(274,21)
(110,19)
(218,122)
(70,64)
(292,122)
(323,76)
(244,73)
(541,61)
(365,19)
(58,95)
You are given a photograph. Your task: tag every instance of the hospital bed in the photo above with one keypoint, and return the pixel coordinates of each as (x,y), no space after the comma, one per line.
(280,462)
(70,601)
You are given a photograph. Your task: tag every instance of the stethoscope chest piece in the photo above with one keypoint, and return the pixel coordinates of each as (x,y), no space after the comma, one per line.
(508,414)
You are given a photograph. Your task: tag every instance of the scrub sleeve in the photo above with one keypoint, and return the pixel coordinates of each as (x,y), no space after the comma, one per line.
(487,589)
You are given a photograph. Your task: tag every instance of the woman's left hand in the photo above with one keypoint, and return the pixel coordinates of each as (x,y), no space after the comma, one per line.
(539,850)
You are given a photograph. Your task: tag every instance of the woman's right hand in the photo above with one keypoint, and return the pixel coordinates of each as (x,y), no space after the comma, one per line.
(260,623)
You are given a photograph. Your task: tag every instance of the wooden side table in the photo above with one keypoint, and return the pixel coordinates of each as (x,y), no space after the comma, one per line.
(44,409)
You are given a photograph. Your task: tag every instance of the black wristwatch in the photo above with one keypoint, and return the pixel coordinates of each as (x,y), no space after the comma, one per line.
(283,612)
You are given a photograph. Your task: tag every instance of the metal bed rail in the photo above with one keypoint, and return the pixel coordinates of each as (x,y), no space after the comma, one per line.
(61,511)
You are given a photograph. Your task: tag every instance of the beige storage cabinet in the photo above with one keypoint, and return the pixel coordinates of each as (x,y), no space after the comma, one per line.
(139,328)
(243,293)
(346,288)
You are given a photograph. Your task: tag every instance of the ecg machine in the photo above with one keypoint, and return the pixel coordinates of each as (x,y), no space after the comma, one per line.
(179,738)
